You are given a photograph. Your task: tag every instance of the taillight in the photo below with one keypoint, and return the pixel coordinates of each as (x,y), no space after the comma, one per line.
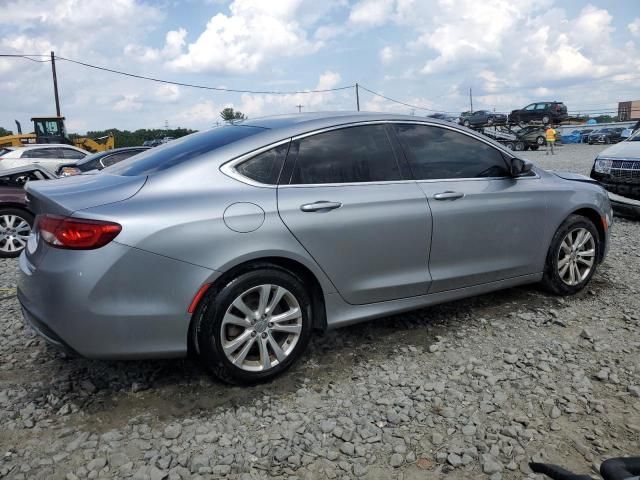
(76,233)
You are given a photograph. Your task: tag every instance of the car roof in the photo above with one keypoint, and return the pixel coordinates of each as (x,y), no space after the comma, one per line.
(48,145)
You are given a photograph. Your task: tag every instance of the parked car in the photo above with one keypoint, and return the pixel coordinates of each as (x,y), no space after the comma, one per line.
(481,118)
(16,219)
(584,134)
(545,112)
(532,136)
(98,161)
(237,242)
(47,155)
(618,170)
(606,135)
(152,143)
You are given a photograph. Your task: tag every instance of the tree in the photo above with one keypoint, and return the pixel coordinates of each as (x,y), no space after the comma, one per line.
(4,132)
(229,115)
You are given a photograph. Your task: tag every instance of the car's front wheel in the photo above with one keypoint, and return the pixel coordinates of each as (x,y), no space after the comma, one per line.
(254,327)
(572,257)
(466,123)
(15,227)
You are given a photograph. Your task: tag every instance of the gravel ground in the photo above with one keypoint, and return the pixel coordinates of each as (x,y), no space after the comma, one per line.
(475,388)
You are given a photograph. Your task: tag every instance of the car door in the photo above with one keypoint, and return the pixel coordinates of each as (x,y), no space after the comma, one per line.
(41,156)
(486,224)
(528,112)
(343,196)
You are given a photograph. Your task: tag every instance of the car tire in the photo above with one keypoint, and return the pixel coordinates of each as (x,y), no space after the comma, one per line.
(11,222)
(545,119)
(540,140)
(466,123)
(509,145)
(219,326)
(560,274)
(607,141)
(490,121)
(519,146)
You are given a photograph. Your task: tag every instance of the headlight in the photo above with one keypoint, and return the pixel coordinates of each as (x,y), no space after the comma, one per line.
(603,166)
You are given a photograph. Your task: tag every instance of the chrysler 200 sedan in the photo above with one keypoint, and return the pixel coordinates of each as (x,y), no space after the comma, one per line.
(237,243)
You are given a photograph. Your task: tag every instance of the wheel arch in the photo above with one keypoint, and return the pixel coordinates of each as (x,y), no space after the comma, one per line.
(595,217)
(294,267)
(16,206)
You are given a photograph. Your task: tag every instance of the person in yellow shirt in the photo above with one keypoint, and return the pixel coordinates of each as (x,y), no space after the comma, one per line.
(550,133)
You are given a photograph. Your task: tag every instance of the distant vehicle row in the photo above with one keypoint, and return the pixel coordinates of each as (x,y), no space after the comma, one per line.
(543,112)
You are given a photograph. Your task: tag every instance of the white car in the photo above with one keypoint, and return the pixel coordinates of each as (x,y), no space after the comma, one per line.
(47,155)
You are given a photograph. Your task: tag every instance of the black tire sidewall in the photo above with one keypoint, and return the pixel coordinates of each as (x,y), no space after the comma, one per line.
(551,279)
(213,308)
(25,215)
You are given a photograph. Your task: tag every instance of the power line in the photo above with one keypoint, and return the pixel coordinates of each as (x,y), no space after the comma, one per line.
(403,103)
(204,87)
(27,57)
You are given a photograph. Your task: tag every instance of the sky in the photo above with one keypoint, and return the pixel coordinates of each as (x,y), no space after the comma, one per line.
(427,53)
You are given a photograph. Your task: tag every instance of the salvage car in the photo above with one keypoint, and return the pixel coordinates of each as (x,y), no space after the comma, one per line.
(532,136)
(618,170)
(238,242)
(545,112)
(16,219)
(48,155)
(98,161)
(480,118)
(606,135)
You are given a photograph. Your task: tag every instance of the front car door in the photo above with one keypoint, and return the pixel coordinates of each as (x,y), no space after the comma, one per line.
(528,112)
(344,198)
(486,224)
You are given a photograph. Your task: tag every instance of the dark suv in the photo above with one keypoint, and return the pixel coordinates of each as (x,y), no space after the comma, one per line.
(545,112)
(480,118)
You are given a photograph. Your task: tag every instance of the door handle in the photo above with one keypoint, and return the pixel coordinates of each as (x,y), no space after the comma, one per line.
(320,206)
(448,195)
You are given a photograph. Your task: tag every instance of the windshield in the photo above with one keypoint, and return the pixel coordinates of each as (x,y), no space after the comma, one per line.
(179,151)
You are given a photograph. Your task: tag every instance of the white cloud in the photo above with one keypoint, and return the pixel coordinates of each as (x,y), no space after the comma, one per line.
(174,43)
(386,55)
(128,102)
(254,33)
(634,27)
(371,13)
(168,93)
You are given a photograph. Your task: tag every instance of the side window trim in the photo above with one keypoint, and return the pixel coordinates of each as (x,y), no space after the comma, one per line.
(229,168)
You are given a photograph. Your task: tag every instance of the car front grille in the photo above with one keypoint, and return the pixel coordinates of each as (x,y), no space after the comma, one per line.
(626,170)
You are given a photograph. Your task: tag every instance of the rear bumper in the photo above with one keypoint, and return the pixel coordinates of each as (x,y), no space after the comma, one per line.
(116,302)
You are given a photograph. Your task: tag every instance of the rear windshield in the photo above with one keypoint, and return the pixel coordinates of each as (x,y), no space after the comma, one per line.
(179,151)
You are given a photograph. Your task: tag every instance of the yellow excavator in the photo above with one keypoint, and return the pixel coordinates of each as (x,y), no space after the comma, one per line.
(52,130)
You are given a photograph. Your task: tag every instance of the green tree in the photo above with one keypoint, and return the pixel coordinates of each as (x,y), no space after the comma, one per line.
(4,131)
(125,138)
(229,115)
(606,119)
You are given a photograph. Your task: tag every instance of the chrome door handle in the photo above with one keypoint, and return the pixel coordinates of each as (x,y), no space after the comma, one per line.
(320,206)
(448,195)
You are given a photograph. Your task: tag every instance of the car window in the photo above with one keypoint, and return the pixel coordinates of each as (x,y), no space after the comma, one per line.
(438,153)
(183,149)
(266,166)
(348,155)
(109,160)
(71,154)
(530,107)
(43,153)
(541,106)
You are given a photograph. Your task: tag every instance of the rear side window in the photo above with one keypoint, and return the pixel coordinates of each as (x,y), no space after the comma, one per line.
(348,155)
(266,166)
(72,154)
(117,157)
(43,153)
(438,153)
(179,151)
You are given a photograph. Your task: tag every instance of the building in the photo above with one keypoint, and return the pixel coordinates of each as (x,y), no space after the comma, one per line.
(629,111)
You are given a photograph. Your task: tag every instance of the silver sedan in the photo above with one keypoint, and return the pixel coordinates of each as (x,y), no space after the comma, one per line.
(237,243)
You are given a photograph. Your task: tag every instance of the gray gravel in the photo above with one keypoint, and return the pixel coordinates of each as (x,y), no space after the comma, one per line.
(470,389)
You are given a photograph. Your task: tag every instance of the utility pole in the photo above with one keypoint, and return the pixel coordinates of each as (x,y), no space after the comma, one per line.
(55,83)
(471,99)
(357,97)
(299,108)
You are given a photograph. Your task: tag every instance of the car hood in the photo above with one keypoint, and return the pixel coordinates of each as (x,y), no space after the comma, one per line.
(69,194)
(622,150)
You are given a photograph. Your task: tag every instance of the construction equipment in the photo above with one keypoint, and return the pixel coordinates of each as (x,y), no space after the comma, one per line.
(53,130)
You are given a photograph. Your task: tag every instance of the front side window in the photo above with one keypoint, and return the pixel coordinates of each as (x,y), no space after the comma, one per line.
(439,153)
(266,166)
(530,107)
(349,155)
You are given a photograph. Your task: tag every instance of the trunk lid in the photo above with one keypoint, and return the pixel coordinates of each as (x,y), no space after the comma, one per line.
(64,196)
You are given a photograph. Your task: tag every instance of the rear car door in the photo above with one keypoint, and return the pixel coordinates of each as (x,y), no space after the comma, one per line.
(343,196)
(486,224)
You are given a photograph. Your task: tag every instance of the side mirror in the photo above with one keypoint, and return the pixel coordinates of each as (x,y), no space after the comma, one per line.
(520,167)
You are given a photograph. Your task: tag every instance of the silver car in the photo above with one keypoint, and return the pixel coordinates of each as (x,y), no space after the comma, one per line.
(237,243)
(47,155)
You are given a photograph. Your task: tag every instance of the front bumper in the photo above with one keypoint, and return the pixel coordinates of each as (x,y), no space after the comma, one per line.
(628,188)
(116,302)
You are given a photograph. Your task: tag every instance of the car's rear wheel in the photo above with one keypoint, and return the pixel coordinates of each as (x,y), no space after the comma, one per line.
(509,145)
(254,327)
(540,140)
(15,227)
(519,146)
(466,123)
(573,256)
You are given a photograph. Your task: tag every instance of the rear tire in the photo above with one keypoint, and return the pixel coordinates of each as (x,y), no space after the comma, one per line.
(15,227)
(540,140)
(575,244)
(466,123)
(264,346)
(519,146)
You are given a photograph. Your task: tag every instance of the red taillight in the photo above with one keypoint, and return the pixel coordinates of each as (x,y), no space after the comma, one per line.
(76,233)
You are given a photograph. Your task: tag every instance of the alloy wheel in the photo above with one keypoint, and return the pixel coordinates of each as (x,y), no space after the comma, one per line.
(261,328)
(576,256)
(14,233)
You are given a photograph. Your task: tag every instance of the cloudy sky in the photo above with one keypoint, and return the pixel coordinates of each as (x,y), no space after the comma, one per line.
(424,52)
